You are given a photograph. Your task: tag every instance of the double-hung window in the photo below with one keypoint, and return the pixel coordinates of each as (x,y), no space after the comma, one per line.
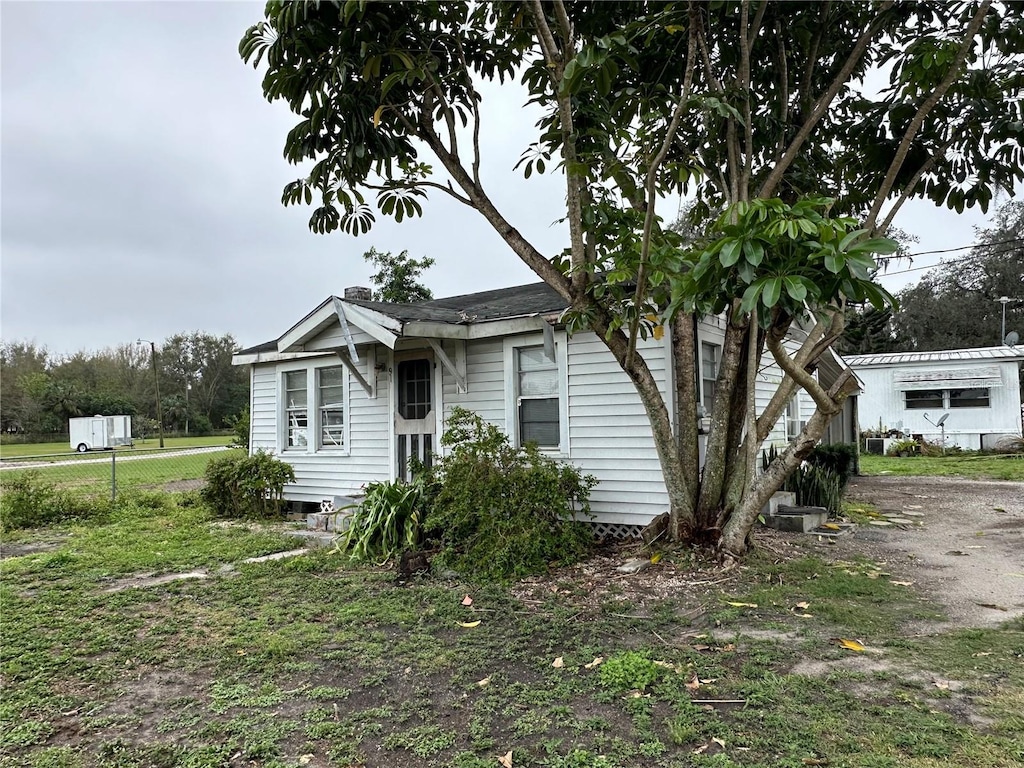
(793,418)
(536,407)
(296,413)
(314,403)
(710,354)
(330,400)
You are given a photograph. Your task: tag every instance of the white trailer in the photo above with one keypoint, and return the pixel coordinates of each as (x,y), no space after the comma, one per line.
(99,433)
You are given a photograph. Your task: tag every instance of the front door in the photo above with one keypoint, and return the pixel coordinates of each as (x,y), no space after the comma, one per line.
(414,411)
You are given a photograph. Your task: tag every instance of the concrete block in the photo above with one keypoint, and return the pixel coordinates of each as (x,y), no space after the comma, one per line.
(778,498)
(798,519)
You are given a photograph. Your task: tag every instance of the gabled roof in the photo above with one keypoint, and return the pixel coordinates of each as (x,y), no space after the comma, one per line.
(390,320)
(984,354)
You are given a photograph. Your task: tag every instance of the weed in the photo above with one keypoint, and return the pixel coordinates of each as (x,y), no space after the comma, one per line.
(629,671)
(422,741)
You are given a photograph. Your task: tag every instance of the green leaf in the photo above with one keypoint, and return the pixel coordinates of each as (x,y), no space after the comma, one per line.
(772,291)
(751,295)
(753,251)
(835,262)
(795,288)
(730,253)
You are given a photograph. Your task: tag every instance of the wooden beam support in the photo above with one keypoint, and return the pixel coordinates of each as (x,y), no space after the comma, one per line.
(449,365)
(339,310)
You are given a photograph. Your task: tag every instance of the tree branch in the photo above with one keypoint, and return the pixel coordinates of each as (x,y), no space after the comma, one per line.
(924,110)
(821,106)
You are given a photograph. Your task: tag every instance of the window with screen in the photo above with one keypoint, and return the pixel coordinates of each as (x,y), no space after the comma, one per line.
(414,388)
(710,354)
(296,413)
(537,397)
(330,396)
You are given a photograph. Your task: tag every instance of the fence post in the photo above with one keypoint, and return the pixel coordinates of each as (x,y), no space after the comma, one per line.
(113,475)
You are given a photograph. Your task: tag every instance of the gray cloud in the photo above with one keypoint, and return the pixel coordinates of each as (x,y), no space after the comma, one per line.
(141,181)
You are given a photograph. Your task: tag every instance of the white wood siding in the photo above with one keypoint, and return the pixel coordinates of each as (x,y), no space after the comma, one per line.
(332,337)
(610,434)
(485,379)
(321,475)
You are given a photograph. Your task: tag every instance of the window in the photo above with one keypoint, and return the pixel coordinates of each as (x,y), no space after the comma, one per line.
(976,397)
(330,398)
(537,379)
(793,419)
(295,412)
(313,404)
(923,398)
(968,398)
(709,357)
(414,388)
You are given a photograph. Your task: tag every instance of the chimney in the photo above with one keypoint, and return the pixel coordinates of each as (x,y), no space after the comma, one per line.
(358,292)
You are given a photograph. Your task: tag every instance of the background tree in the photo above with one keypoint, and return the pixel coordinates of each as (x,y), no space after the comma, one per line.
(397,277)
(642,100)
(23,379)
(956,305)
(200,364)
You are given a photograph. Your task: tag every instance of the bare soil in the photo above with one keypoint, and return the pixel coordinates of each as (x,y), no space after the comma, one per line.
(964,546)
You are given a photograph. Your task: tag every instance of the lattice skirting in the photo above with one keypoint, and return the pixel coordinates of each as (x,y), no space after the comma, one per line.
(617,530)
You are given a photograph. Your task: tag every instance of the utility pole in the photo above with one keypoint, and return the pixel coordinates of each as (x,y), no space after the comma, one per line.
(1004,300)
(156,383)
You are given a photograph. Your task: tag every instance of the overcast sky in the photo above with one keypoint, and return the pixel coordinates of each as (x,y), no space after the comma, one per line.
(141,173)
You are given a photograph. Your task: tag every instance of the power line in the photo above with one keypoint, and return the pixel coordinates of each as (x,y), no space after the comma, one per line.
(956,260)
(1014,240)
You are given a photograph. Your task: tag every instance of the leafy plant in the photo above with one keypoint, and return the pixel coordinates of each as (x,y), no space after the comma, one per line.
(814,485)
(389,520)
(28,501)
(839,458)
(908,447)
(240,429)
(504,512)
(247,486)
(628,671)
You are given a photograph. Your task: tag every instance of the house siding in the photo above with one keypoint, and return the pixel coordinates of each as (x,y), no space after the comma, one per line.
(485,380)
(883,403)
(324,474)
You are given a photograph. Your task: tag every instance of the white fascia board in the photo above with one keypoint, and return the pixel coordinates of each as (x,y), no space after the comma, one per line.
(312,324)
(275,357)
(485,330)
(383,328)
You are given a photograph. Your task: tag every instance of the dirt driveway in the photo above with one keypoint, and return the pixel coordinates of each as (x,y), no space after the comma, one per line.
(963,544)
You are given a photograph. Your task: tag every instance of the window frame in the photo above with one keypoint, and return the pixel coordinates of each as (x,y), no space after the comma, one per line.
(313,409)
(959,402)
(945,400)
(513,399)
(322,409)
(792,418)
(706,380)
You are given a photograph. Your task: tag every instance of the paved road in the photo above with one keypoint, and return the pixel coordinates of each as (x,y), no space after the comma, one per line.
(104,458)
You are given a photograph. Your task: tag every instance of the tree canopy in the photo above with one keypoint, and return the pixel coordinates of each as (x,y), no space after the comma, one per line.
(397,277)
(777,115)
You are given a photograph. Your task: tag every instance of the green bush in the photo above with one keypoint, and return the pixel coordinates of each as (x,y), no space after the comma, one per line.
(813,485)
(906,447)
(240,429)
(839,458)
(247,486)
(388,520)
(504,512)
(27,501)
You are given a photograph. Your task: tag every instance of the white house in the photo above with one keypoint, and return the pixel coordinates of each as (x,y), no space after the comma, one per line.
(977,390)
(357,388)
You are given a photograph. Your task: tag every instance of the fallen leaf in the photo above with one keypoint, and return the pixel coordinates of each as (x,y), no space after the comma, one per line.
(902,583)
(558,663)
(305,759)
(982,653)
(803,606)
(702,749)
(741,605)
(941,685)
(850,645)
(598,660)
(805,615)
(718,741)
(469,624)
(506,759)
(815,761)
(485,682)
(638,695)
(655,558)
(693,684)
(241,653)
(467,600)
(831,527)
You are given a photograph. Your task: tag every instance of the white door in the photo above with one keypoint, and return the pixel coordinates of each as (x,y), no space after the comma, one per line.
(415,421)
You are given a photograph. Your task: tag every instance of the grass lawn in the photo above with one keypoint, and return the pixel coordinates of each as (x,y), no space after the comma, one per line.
(312,661)
(990,467)
(11,450)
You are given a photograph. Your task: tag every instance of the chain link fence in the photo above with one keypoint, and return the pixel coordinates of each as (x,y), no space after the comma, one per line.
(109,472)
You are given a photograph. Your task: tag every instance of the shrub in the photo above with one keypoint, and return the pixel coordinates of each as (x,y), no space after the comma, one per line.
(389,520)
(839,458)
(247,486)
(504,512)
(27,501)
(904,448)
(813,485)
(240,429)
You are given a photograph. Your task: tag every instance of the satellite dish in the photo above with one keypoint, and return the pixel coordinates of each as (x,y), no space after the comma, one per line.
(942,420)
(1011,339)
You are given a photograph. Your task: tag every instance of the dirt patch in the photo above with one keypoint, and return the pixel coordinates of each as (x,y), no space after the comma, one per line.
(7,549)
(965,548)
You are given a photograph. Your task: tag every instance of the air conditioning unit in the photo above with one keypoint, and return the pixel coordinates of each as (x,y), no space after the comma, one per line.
(877,445)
